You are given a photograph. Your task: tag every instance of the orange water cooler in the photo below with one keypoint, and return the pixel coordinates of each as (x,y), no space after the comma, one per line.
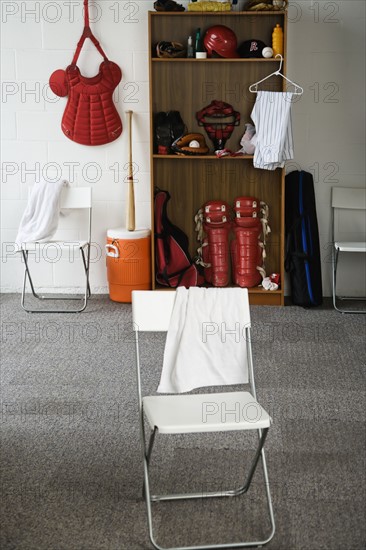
(128,255)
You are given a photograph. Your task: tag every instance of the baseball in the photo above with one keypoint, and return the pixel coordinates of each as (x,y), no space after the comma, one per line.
(194,143)
(267,52)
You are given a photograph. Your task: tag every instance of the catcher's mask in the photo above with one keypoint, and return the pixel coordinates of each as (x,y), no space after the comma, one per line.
(221,126)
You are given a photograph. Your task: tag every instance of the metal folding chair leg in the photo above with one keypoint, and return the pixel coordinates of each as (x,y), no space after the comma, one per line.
(86,267)
(187,496)
(334,288)
(87,293)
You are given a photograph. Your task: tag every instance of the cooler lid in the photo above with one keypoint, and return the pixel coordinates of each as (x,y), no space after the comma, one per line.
(124,234)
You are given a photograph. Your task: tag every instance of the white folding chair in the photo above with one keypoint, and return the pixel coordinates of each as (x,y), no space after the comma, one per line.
(72,198)
(352,199)
(183,413)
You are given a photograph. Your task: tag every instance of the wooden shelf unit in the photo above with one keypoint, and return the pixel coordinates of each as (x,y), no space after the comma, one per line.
(187,85)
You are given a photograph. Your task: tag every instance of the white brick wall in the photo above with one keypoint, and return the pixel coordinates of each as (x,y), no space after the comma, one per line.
(326,54)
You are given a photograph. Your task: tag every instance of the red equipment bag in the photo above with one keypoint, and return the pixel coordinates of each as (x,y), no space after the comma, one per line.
(90,116)
(173,264)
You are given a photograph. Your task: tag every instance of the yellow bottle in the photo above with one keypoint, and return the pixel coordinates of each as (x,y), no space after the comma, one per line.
(277,40)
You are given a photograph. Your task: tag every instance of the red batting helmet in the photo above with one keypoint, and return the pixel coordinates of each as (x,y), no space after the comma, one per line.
(221,40)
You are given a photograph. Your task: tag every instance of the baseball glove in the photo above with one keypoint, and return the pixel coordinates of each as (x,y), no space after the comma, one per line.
(190,144)
(170,49)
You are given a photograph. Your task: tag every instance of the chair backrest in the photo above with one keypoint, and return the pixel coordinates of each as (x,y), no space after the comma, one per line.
(151,310)
(76,197)
(349,197)
(348,226)
(76,201)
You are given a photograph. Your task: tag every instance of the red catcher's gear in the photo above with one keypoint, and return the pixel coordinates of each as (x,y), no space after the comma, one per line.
(247,250)
(246,208)
(221,40)
(90,116)
(209,117)
(215,249)
(246,255)
(216,213)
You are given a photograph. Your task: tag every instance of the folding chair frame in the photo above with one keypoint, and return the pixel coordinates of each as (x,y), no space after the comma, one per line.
(146,456)
(335,257)
(84,297)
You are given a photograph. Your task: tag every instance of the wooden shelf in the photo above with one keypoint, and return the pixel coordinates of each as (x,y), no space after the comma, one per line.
(187,85)
(217,13)
(197,157)
(257,295)
(214,60)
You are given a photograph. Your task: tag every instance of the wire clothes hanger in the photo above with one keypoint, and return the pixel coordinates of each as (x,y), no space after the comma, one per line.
(253,88)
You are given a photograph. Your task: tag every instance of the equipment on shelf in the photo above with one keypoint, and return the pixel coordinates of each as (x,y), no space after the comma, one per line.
(168,5)
(170,49)
(247,248)
(168,127)
(302,259)
(173,264)
(200,52)
(277,40)
(254,48)
(207,5)
(218,119)
(190,48)
(190,85)
(190,144)
(250,228)
(90,116)
(249,140)
(214,218)
(222,41)
(265,5)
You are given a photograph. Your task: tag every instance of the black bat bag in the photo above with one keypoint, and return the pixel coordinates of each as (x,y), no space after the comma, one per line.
(302,258)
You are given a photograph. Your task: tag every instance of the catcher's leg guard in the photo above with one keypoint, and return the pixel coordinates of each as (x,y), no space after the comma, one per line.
(218,253)
(214,219)
(246,255)
(207,270)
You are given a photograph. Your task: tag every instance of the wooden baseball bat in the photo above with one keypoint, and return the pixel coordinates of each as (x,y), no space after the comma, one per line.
(130,218)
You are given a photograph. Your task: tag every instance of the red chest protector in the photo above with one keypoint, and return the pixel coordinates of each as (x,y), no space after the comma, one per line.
(90,116)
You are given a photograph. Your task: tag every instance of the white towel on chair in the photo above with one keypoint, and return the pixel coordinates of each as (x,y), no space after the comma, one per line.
(206,343)
(40,219)
(272,118)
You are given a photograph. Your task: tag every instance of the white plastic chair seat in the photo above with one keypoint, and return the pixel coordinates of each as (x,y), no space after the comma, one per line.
(350,246)
(62,245)
(217,412)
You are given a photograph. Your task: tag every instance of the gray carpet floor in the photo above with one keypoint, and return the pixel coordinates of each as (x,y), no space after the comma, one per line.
(71,468)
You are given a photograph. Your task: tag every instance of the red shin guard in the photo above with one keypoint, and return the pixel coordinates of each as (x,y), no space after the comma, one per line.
(217,253)
(246,256)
